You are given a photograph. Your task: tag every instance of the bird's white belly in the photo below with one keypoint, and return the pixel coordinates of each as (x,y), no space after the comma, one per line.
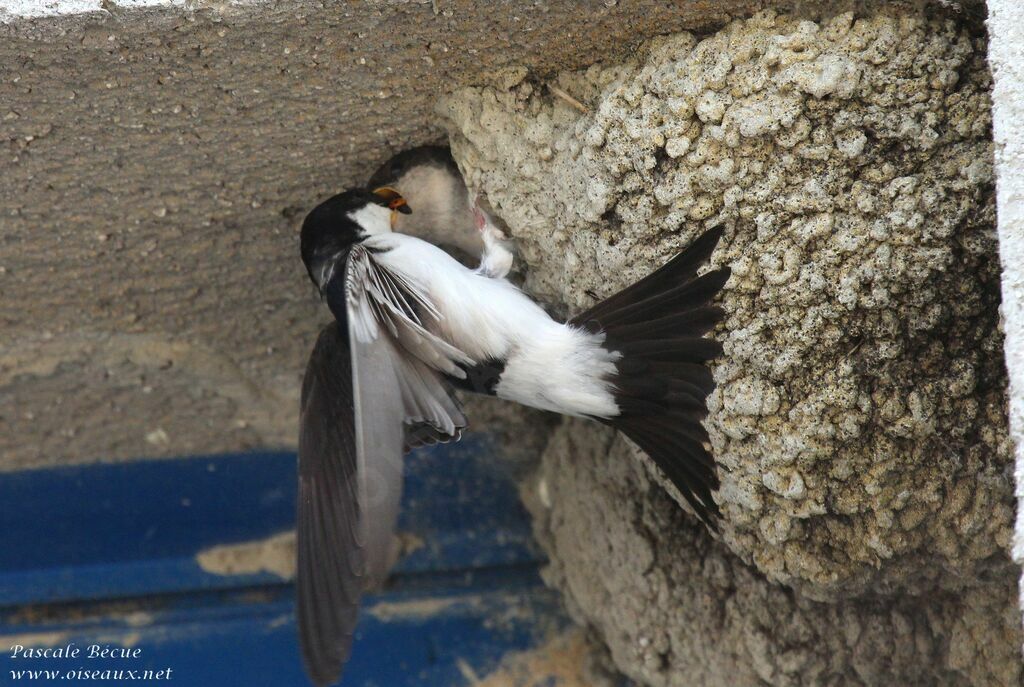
(548,365)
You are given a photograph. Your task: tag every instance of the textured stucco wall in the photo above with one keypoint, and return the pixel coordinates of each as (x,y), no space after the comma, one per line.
(860,421)
(156,163)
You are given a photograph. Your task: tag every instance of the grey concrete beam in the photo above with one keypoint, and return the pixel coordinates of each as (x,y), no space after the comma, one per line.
(156,162)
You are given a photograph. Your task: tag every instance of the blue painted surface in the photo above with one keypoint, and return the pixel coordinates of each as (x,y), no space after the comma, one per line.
(107,554)
(404,639)
(130,529)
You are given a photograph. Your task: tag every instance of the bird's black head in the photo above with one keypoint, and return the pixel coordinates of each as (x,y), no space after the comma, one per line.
(333,226)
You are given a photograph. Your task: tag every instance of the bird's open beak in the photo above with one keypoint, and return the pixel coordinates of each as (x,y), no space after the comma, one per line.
(393,199)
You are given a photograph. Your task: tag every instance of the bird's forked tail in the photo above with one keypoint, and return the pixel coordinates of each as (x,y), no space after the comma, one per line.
(662,379)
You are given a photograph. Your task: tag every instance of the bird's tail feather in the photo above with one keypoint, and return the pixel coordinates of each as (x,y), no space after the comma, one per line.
(662,379)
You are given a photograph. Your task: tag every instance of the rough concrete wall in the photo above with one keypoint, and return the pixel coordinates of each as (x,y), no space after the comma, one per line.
(860,420)
(156,164)
(1006,55)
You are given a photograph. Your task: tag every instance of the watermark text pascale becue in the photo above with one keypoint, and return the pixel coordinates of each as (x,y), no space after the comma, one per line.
(87,652)
(72,650)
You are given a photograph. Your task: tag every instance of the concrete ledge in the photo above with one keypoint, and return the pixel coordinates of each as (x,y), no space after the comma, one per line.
(157,162)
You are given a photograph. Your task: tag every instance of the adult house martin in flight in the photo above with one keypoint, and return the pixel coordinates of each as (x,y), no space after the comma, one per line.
(411,325)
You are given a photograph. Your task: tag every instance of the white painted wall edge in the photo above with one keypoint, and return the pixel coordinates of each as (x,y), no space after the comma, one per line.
(15,9)
(1006,58)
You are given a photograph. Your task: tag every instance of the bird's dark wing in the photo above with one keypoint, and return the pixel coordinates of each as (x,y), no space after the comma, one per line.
(372,389)
(331,560)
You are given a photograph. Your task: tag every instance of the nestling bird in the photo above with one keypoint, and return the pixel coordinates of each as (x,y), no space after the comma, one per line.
(447,213)
(411,325)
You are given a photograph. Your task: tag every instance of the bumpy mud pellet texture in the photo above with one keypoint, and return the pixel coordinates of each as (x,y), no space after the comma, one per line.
(860,417)
(679,609)
(860,421)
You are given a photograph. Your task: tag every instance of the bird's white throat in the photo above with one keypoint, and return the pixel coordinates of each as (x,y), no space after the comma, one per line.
(372,219)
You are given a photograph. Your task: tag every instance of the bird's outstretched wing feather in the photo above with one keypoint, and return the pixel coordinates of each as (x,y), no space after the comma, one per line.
(373,389)
(331,561)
